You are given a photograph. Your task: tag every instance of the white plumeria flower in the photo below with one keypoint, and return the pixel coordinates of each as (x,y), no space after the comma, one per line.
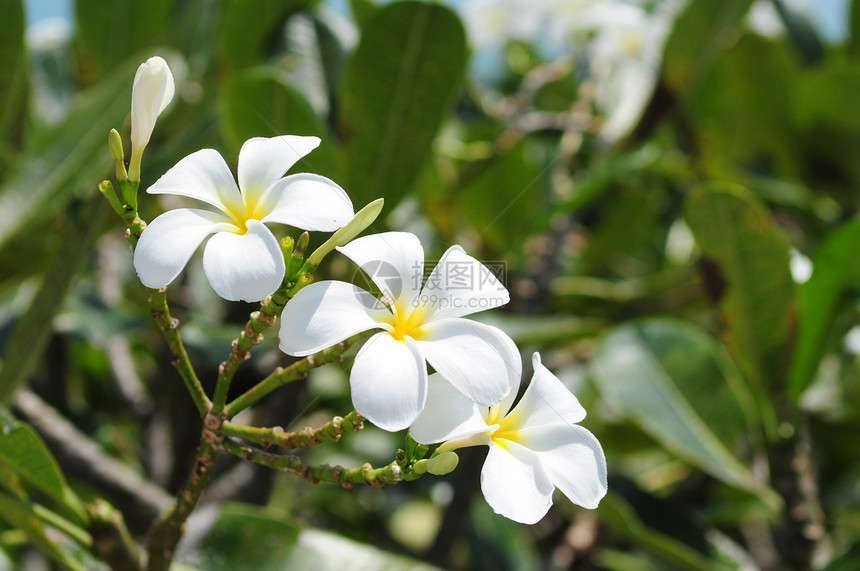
(534,448)
(152,90)
(389,377)
(243,260)
(625,56)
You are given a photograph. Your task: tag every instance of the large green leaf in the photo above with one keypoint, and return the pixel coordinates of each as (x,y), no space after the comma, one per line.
(750,277)
(835,270)
(395,92)
(23,453)
(505,199)
(70,160)
(674,381)
(801,32)
(249,30)
(246,537)
(745,105)
(702,30)
(828,96)
(13,78)
(109,32)
(624,520)
(260,104)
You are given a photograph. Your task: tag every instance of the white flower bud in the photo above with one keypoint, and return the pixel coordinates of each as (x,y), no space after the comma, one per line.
(152,90)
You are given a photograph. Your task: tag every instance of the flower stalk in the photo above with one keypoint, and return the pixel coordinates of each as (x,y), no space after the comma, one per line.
(390,474)
(170,329)
(281,376)
(306,438)
(261,320)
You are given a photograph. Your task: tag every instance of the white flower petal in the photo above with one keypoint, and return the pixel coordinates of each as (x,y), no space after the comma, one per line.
(515,484)
(389,382)
(262,161)
(244,267)
(168,242)
(326,313)
(205,176)
(151,91)
(574,460)
(513,362)
(447,415)
(546,402)
(307,201)
(471,356)
(393,260)
(461,285)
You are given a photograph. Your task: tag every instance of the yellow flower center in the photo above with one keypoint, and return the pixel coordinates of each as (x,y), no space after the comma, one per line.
(508,430)
(240,218)
(407,321)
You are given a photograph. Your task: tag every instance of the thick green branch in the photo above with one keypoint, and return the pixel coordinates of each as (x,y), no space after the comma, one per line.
(166,532)
(170,329)
(391,474)
(294,372)
(305,438)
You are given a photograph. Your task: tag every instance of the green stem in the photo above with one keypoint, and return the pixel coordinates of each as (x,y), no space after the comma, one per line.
(305,438)
(111,540)
(166,532)
(294,372)
(252,335)
(391,474)
(55,520)
(170,329)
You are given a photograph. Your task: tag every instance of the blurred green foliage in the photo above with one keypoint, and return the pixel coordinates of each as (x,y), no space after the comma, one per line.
(653,272)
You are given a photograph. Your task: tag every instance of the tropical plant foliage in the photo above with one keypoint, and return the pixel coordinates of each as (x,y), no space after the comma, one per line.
(660,273)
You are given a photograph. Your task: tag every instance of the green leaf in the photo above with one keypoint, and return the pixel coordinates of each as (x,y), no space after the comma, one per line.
(835,270)
(675,382)
(853,47)
(396,90)
(847,561)
(593,183)
(247,537)
(259,104)
(505,198)
(744,113)
(72,160)
(827,95)
(31,333)
(749,276)
(21,515)
(23,452)
(249,29)
(361,10)
(802,33)
(543,329)
(620,516)
(110,32)
(13,79)
(701,31)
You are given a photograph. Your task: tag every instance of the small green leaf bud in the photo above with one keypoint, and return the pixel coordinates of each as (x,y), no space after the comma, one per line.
(439,465)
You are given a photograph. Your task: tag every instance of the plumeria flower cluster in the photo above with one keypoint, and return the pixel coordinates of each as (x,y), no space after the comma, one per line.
(534,447)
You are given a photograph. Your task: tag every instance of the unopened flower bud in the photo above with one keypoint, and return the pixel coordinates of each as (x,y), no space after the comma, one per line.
(152,90)
(342,236)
